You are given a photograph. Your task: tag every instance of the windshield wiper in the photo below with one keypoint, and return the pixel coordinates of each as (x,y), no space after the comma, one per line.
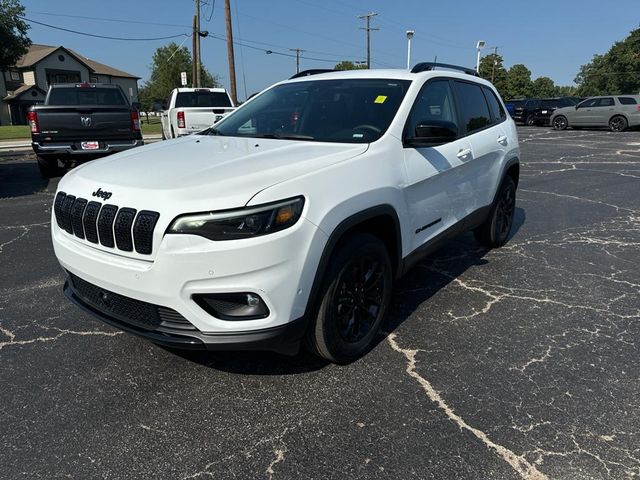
(209,131)
(283,136)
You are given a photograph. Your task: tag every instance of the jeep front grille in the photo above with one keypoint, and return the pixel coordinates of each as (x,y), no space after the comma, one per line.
(108,225)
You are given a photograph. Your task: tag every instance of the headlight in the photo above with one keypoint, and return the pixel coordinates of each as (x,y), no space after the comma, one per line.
(242,223)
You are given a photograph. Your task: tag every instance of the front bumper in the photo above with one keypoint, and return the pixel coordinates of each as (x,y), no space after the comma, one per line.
(284,339)
(278,267)
(74,149)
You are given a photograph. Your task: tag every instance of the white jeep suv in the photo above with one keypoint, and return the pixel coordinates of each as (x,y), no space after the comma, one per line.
(288,221)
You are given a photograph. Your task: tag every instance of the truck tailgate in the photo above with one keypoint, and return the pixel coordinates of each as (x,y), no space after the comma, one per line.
(197,119)
(86,123)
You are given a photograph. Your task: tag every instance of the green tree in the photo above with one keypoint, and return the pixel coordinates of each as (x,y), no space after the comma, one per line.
(168,62)
(14,42)
(492,69)
(614,73)
(349,65)
(518,83)
(543,87)
(565,91)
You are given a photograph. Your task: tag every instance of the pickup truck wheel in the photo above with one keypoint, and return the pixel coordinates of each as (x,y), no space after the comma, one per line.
(530,121)
(618,123)
(355,294)
(164,137)
(48,167)
(494,231)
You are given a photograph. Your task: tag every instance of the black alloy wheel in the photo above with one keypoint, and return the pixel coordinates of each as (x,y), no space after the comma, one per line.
(560,123)
(494,231)
(618,124)
(353,299)
(358,298)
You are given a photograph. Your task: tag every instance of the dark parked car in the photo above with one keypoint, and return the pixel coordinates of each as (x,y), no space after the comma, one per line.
(81,122)
(523,113)
(542,115)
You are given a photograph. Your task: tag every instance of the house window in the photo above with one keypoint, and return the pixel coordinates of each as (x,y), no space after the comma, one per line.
(93,79)
(62,76)
(61,58)
(15,76)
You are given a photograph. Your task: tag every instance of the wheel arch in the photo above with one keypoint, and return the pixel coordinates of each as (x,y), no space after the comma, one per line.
(381,221)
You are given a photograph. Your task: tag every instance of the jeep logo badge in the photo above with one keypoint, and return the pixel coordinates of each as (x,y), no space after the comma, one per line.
(102,194)
(86,121)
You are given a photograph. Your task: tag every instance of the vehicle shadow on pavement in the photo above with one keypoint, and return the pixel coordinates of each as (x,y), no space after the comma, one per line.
(415,288)
(20,178)
(435,272)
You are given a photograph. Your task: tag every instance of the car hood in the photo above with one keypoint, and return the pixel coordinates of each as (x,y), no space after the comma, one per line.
(199,173)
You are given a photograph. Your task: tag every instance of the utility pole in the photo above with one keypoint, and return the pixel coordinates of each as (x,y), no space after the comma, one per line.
(232,63)
(298,52)
(194,53)
(495,62)
(367,19)
(197,22)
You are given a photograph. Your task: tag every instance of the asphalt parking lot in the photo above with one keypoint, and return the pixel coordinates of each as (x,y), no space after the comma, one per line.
(515,363)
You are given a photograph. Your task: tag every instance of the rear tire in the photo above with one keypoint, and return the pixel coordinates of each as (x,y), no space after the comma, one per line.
(618,124)
(49,167)
(494,231)
(560,123)
(354,297)
(530,121)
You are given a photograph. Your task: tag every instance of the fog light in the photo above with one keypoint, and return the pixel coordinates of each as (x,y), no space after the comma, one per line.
(232,306)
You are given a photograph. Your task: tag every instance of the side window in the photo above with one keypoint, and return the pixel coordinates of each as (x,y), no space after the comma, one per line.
(499,115)
(473,106)
(434,104)
(627,100)
(588,103)
(605,102)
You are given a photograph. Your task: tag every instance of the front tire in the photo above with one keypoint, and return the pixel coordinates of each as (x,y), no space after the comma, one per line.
(494,231)
(530,121)
(355,294)
(560,123)
(48,167)
(618,124)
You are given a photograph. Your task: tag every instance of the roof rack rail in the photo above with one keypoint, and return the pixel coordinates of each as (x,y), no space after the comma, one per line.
(426,66)
(313,71)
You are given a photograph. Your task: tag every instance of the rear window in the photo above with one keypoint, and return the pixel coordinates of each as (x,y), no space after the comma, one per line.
(496,107)
(202,99)
(475,111)
(627,101)
(86,96)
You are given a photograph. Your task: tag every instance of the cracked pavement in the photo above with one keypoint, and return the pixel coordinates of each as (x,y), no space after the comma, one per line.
(514,363)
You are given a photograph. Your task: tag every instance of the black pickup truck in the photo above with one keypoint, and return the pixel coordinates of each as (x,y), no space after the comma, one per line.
(80,122)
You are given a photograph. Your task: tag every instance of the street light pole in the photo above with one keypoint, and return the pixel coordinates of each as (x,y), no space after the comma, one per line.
(479,46)
(410,34)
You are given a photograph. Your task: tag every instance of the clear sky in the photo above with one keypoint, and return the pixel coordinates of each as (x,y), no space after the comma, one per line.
(551,37)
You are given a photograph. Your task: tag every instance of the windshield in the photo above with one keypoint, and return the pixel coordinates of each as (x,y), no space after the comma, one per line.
(202,99)
(352,111)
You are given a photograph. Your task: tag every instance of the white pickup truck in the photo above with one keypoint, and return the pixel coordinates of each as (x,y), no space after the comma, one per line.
(190,110)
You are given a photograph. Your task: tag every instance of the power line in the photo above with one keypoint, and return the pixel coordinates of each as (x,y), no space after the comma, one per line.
(103,19)
(103,36)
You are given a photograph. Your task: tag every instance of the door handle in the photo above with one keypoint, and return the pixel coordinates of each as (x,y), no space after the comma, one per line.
(503,140)
(464,152)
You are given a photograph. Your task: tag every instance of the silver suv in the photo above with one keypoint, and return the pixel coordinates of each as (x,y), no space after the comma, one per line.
(616,112)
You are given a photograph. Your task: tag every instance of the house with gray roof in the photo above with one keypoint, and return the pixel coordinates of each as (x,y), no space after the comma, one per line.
(26,83)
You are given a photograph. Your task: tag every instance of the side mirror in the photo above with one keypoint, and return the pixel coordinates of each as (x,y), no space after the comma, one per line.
(431,133)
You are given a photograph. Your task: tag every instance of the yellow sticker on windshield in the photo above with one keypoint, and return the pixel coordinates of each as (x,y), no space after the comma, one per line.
(380,99)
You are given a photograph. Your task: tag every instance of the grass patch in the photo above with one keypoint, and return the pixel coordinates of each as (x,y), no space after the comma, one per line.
(10,132)
(152,126)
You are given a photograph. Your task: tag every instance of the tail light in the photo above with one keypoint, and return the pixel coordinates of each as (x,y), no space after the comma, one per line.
(639,108)
(135,121)
(32,118)
(181,122)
